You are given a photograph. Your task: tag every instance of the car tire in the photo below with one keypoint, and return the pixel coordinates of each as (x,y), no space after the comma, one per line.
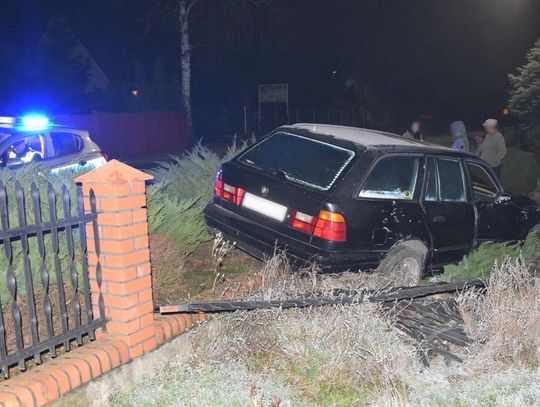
(404,264)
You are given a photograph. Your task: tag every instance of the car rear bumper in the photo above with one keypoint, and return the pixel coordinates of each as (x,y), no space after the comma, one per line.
(234,228)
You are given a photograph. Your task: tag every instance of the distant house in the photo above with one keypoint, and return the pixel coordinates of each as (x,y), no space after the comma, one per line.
(60,40)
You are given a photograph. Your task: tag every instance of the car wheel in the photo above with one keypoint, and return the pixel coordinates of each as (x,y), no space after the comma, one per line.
(404,265)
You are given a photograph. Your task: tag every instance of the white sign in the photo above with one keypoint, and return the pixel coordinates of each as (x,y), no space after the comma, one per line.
(274,93)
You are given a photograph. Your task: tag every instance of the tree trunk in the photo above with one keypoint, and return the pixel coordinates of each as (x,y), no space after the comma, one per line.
(185,61)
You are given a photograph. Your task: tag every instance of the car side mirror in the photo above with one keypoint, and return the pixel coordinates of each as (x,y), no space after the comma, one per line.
(504,197)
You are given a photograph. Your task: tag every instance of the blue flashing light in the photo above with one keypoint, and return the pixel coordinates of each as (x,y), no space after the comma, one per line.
(35,122)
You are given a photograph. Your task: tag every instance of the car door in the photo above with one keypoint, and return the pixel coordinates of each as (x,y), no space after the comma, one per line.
(65,151)
(449,212)
(386,209)
(498,219)
(22,148)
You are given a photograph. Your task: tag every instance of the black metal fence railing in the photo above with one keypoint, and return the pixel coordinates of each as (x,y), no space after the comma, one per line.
(45,300)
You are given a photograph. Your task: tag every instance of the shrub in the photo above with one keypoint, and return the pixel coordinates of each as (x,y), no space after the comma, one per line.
(479,263)
(525,89)
(180,192)
(520,171)
(42,177)
(536,193)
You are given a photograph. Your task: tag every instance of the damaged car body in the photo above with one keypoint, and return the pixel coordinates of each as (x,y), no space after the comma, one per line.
(353,199)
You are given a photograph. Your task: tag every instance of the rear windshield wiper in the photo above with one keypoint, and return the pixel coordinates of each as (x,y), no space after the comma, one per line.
(276,172)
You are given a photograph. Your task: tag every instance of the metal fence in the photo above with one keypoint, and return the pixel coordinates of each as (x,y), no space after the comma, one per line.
(247,120)
(45,296)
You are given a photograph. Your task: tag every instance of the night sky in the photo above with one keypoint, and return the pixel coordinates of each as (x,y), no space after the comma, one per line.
(439,58)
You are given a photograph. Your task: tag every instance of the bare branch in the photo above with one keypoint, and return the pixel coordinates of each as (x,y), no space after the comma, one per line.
(148,23)
(190,5)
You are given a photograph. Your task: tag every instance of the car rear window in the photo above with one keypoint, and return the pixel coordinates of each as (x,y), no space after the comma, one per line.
(299,159)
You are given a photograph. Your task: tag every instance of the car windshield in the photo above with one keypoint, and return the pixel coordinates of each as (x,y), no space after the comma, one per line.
(16,150)
(299,159)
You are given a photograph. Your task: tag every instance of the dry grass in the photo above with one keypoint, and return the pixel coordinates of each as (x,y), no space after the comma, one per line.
(505,320)
(331,354)
(277,280)
(342,355)
(168,270)
(203,273)
(352,355)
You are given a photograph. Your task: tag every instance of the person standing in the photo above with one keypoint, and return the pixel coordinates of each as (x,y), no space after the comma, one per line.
(458,132)
(414,131)
(475,143)
(493,149)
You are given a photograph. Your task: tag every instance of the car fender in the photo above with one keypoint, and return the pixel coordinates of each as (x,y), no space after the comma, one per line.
(406,225)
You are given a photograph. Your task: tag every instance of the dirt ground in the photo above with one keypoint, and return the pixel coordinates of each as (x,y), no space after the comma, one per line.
(207,272)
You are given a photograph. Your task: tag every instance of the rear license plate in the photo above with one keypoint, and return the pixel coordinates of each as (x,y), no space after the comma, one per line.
(264,207)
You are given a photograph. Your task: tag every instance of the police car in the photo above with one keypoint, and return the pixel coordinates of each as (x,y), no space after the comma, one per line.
(34,139)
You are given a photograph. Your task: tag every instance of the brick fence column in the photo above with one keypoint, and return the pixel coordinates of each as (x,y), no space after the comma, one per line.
(120,192)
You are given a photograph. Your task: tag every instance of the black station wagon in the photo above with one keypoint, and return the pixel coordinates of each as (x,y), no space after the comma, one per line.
(353,199)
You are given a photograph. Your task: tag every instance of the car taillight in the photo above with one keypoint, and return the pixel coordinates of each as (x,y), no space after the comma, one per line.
(331,226)
(303,222)
(227,192)
(328,225)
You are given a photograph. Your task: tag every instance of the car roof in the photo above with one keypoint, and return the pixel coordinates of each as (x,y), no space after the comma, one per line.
(369,139)
(22,130)
(17,134)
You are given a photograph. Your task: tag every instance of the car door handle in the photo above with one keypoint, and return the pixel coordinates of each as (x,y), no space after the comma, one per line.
(439,219)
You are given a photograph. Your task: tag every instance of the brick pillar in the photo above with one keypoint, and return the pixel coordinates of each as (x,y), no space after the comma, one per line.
(120,192)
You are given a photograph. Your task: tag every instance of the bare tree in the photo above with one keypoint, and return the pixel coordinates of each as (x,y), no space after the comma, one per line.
(183,10)
(236,8)
(184,7)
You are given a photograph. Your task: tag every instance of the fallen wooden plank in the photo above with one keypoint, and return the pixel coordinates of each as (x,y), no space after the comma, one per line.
(403,293)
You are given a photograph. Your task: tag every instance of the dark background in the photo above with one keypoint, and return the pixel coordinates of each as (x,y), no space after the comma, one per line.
(439,59)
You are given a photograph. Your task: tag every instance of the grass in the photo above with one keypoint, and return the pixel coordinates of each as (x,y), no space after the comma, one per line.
(332,356)
(505,319)
(346,355)
(177,277)
(181,384)
(352,355)
(338,356)
(479,263)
